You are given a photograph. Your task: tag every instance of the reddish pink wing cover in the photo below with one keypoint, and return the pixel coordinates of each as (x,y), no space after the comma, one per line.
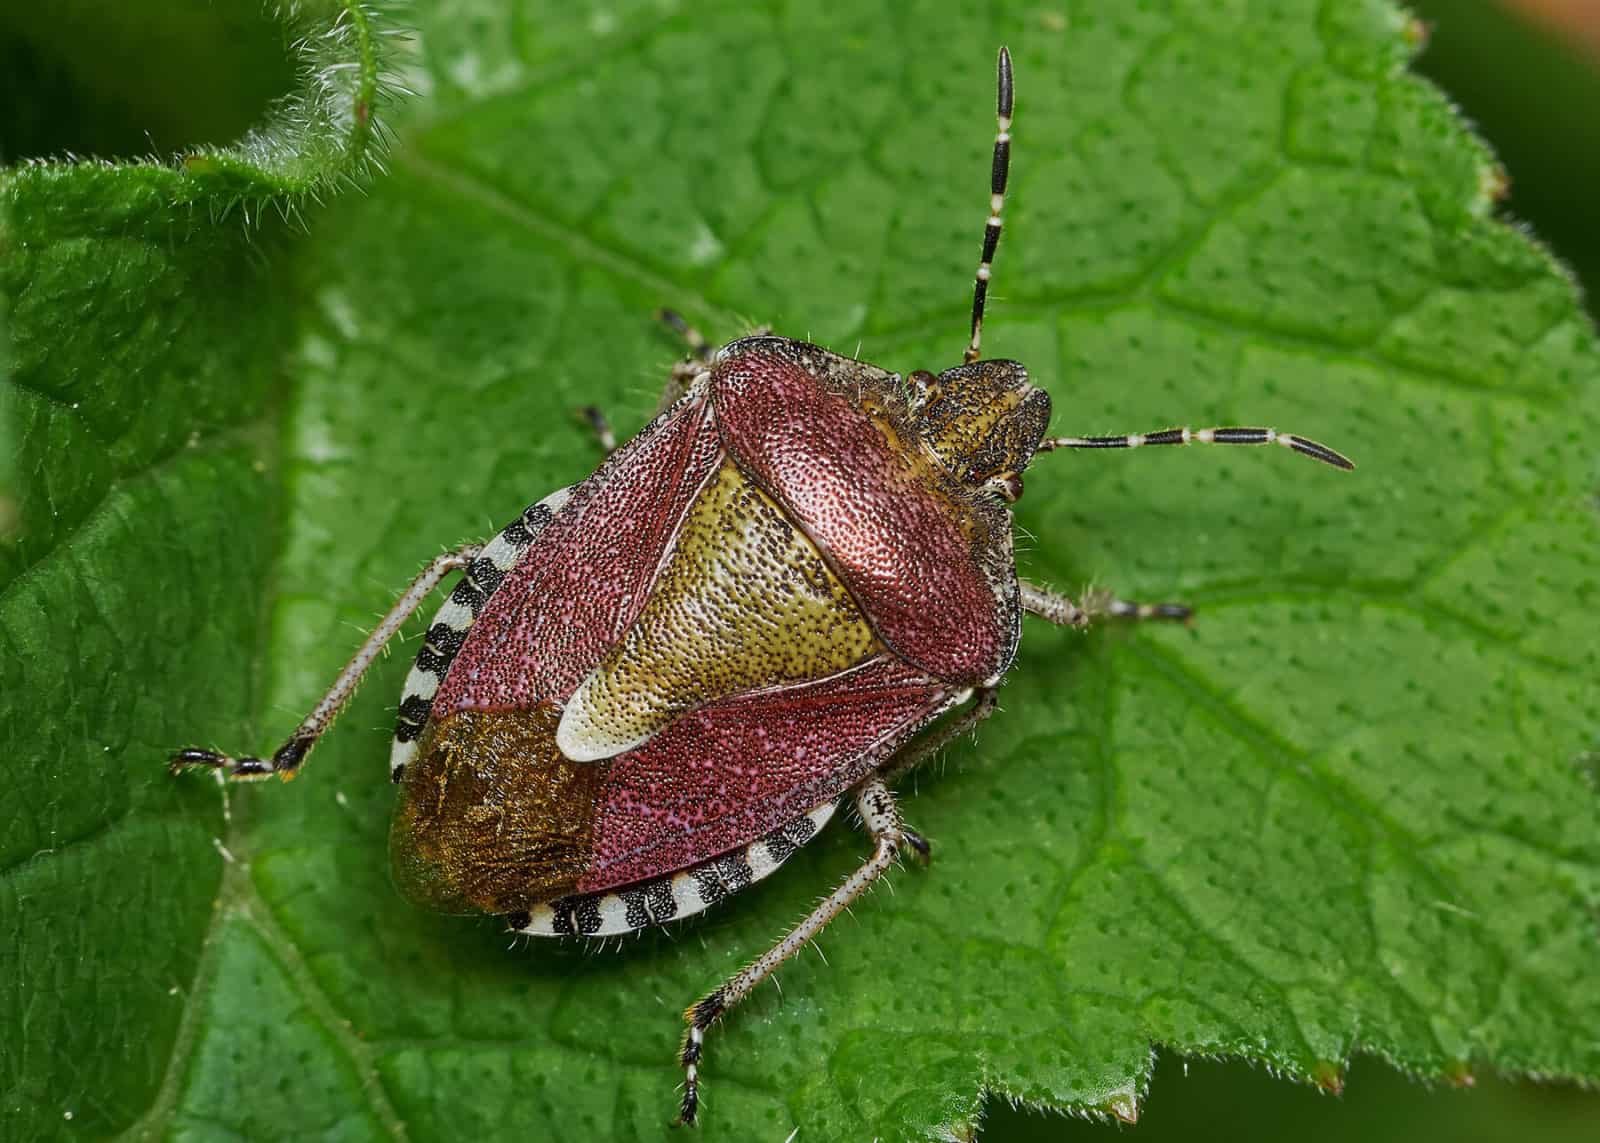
(573,594)
(739,768)
(889,537)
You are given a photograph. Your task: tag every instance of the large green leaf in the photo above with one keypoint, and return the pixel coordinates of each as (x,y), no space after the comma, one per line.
(1344,813)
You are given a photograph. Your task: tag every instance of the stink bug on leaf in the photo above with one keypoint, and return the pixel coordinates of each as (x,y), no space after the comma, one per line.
(791,587)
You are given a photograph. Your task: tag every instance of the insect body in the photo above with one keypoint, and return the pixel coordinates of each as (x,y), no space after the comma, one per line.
(651,687)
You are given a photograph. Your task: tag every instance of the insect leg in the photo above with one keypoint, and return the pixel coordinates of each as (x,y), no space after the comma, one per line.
(600,425)
(286,760)
(1063,612)
(882,819)
(683,372)
(678,381)
(699,347)
(1186,435)
(941,736)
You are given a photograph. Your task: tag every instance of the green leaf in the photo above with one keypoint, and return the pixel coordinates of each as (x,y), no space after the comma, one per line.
(1344,813)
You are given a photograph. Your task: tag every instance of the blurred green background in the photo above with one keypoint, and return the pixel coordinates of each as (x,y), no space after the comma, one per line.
(1531,87)
(65,67)
(1208,1099)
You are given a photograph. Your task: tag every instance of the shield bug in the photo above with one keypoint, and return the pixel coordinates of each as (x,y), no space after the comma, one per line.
(792,586)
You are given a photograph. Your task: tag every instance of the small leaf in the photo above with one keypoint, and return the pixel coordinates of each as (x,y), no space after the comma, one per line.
(1343,813)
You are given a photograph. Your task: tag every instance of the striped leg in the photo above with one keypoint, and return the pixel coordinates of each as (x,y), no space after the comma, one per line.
(699,347)
(882,819)
(683,372)
(286,760)
(600,425)
(1063,612)
(678,381)
(1186,435)
(700,355)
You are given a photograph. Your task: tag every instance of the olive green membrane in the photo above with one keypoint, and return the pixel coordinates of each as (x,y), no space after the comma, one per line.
(1344,813)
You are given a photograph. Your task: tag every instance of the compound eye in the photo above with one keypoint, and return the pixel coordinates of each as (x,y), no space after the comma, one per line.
(1007,486)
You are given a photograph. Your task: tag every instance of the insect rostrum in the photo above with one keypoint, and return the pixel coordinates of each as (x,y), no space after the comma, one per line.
(650,688)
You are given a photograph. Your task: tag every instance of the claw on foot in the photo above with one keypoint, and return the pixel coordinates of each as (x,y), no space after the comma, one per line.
(701,1015)
(1100,602)
(284,763)
(241,769)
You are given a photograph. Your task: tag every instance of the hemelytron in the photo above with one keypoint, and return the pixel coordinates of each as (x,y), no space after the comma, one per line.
(792,586)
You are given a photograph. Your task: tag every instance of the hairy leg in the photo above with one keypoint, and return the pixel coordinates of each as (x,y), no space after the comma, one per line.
(881,817)
(286,760)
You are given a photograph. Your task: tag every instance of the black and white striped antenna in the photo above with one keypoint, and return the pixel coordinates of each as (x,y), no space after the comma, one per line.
(997,199)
